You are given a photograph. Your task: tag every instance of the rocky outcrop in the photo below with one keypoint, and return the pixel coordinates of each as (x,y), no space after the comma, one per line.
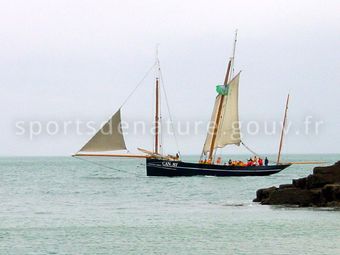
(322,188)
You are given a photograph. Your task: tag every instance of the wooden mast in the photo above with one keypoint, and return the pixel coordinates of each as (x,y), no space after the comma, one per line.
(157,117)
(282,131)
(156,148)
(218,116)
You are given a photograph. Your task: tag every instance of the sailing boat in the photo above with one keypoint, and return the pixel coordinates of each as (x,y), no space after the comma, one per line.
(225,131)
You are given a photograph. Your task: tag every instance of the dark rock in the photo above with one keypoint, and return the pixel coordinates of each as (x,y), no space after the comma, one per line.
(331,192)
(262,194)
(315,181)
(325,175)
(300,183)
(332,204)
(293,196)
(286,186)
(322,188)
(331,170)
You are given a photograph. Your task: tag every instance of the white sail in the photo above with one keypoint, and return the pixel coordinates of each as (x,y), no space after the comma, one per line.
(228,131)
(108,138)
(209,137)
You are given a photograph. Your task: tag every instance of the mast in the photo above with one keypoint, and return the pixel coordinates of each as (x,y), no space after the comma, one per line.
(157,117)
(282,131)
(218,116)
(233,56)
(229,74)
(156,145)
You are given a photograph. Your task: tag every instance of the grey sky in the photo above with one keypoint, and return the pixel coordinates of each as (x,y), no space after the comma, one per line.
(68,60)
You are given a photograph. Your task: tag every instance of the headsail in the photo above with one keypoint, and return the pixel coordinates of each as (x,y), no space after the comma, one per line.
(108,138)
(228,131)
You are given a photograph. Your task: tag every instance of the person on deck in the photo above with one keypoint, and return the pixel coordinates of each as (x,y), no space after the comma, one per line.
(240,163)
(230,162)
(219,161)
(266,161)
(260,162)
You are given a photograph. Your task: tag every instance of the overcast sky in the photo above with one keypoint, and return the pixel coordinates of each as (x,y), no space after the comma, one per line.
(78,60)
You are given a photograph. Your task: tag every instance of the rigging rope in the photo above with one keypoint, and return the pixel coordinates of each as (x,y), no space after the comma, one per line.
(168,108)
(253,152)
(250,150)
(139,83)
(104,166)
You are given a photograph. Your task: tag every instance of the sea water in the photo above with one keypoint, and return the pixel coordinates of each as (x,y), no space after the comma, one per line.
(62,205)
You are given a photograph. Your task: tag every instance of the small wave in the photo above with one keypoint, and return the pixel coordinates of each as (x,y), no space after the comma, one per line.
(297,207)
(42,213)
(233,204)
(102,178)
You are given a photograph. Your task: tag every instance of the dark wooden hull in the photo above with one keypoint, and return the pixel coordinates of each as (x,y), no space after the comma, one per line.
(159,167)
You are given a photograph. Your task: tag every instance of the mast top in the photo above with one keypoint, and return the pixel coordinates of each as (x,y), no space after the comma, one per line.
(233,55)
(157,64)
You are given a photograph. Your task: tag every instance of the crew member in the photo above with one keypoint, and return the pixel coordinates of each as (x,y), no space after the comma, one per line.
(260,162)
(219,161)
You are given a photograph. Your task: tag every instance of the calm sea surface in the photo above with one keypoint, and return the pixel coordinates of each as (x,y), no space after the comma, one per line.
(61,205)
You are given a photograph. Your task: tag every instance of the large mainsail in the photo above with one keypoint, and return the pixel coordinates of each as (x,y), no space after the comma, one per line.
(108,138)
(228,131)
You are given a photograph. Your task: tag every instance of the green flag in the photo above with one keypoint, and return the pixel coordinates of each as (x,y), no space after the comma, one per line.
(222,90)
